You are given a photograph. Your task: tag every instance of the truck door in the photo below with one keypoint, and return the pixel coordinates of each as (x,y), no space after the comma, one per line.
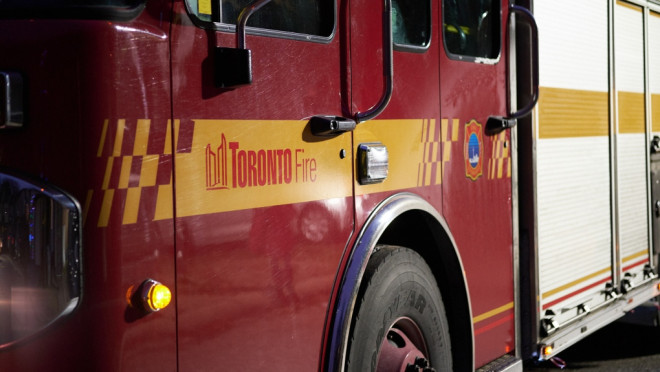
(477,192)
(632,146)
(264,209)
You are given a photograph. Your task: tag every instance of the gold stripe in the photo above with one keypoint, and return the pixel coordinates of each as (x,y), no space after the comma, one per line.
(103,134)
(106,207)
(125,173)
(119,137)
(655,112)
(427,176)
(634,255)
(149,171)
(454,131)
(492,313)
(108,173)
(131,207)
(629,6)
(141,137)
(432,125)
(572,113)
(576,282)
(438,173)
(88,201)
(429,153)
(444,129)
(631,112)
(426,131)
(164,203)
(177,126)
(168,138)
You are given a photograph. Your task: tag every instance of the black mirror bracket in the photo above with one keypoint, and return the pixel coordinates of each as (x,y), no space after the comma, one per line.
(233,66)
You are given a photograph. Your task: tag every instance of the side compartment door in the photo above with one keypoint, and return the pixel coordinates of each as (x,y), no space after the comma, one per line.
(264,209)
(477,191)
(632,146)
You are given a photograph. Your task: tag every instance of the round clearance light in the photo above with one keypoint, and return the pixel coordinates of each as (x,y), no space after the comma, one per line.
(547,350)
(151,296)
(159,297)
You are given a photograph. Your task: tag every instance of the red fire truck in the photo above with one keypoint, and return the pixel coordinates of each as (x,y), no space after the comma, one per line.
(291,185)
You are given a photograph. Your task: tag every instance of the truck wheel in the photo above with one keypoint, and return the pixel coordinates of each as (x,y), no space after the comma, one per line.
(400,322)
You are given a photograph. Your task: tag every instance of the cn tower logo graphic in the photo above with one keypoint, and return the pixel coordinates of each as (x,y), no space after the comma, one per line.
(216,166)
(229,166)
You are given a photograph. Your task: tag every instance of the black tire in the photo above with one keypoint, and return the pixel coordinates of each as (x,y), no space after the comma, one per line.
(398,294)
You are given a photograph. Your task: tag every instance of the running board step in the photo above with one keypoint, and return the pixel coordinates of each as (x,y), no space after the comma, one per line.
(507,363)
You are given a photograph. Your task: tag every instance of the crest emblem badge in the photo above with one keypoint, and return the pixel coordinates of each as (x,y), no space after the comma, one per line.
(473,150)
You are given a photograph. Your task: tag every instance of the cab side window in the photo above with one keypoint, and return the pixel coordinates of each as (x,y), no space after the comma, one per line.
(309,17)
(471,28)
(411,23)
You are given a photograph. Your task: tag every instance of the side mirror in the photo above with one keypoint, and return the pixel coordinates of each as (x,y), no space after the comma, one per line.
(233,66)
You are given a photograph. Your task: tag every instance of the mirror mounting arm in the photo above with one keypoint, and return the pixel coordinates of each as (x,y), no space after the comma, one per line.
(388,68)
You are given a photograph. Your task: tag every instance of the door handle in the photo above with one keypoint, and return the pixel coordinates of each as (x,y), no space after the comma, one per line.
(497,124)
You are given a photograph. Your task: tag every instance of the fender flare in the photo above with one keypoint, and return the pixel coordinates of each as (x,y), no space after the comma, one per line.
(379,220)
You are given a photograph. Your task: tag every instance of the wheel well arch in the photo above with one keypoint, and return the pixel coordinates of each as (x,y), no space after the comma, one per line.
(407,220)
(420,231)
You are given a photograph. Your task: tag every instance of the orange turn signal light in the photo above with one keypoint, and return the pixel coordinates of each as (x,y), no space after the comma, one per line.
(150,296)
(547,350)
(159,297)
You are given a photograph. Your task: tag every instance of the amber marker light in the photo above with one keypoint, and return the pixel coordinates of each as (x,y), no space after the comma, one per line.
(159,297)
(547,350)
(150,296)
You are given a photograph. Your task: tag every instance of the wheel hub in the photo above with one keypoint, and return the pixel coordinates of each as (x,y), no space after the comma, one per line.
(403,349)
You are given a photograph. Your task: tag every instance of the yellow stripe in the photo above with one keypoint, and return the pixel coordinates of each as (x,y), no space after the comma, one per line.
(108,173)
(149,170)
(454,131)
(629,6)
(572,113)
(177,126)
(655,112)
(438,173)
(88,201)
(168,138)
(634,255)
(426,130)
(631,112)
(132,205)
(103,134)
(141,137)
(576,282)
(106,207)
(492,313)
(119,137)
(164,208)
(427,175)
(125,173)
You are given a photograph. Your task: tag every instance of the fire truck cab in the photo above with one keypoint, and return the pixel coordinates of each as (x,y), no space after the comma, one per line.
(322,185)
